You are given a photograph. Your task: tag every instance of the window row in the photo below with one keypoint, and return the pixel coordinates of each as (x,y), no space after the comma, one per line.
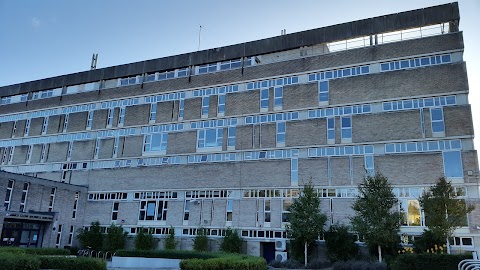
(416,62)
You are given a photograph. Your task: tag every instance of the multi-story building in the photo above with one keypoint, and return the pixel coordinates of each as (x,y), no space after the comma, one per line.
(225,137)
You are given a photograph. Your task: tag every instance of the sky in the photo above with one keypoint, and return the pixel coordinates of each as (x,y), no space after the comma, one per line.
(40,39)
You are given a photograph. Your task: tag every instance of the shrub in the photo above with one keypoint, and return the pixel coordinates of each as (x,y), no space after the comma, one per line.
(19,261)
(92,238)
(170,242)
(228,262)
(35,251)
(115,238)
(170,254)
(426,241)
(340,243)
(200,243)
(318,264)
(71,263)
(428,261)
(144,241)
(231,242)
(290,263)
(360,265)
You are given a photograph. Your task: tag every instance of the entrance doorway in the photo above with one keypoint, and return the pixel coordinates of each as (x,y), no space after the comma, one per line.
(22,233)
(267,251)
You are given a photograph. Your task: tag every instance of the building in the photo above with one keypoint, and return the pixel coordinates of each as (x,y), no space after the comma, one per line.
(224,137)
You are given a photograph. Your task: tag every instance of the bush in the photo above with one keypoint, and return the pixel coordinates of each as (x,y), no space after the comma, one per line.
(144,241)
(19,261)
(92,238)
(170,242)
(200,243)
(318,264)
(70,263)
(231,242)
(340,243)
(228,262)
(35,251)
(170,254)
(428,261)
(360,265)
(426,241)
(115,238)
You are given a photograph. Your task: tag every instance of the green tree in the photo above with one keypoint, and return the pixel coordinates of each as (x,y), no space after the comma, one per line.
(231,242)
(340,243)
(444,212)
(374,217)
(306,220)
(92,237)
(144,240)
(115,238)
(170,242)
(200,243)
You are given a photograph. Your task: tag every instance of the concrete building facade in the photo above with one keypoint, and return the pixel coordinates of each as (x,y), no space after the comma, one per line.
(225,137)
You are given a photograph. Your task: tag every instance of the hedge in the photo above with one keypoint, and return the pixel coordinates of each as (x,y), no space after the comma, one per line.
(18,261)
(71,263)
(170,254)
(428,261)
(35,251)
(230,262)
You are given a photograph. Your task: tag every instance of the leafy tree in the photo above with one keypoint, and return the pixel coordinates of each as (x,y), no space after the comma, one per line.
(144,241)
(92,237)
(170,242)
(443,211)
(115,238)
(374,217)
(306,221)
(231,242)
(340,243)
(427,241)
(200,243)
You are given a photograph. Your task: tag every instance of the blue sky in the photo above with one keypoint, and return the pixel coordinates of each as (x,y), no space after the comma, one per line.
(40,39)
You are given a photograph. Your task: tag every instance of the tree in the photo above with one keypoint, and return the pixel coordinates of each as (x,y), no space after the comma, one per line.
(170,242)
(374,217)
(306,221)
(92,237)
(340,243)
(116,238)
(200,243)
(443,211)
(144,241)
(231,242)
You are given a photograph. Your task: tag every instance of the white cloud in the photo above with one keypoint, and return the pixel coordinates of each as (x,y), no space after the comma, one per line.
(35,22)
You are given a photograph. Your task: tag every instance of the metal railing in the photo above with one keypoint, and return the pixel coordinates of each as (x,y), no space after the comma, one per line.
(470,264)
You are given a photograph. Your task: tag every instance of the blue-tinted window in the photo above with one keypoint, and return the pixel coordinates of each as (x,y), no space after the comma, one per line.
(323,91)
(452,163)
(438,124)
(446,58)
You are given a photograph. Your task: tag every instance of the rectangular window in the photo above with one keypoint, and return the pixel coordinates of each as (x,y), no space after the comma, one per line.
(8,194)
(153,210)
(294,172)
(210,138)
(264,99)
(14,130)
(97,149)
(331,130)
(23,200)
(267,211)
(346,129)
(452,164)
(231,137)
(89,120)
(115,147)
(70,236)
(323,92)
(181,109)
(278,98)
(281,130)
(221,105)
(205,106)
(75,205)
(186,210)
(155,143)
(153,113)
(287,202)
(110,117)
(65,123)
(45,125)
(69,152)
(4,155)
(369,166)
(58,241)
(10,155)
(27,127)
(43,155)
(115,210)
(29,154)
(438,124)
(121,117)
(411,212)
(229,210)
(51,202)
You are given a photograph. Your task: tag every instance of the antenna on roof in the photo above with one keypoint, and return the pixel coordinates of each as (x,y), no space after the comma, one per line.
(93,66)
(199,32)
(283,32)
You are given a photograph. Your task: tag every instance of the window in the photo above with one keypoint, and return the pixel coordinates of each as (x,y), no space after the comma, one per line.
(97,149)
(221,105)
(323,92)
(115,210)
(129,81)
(438,124)
(278,98)
(14,129)
(153,210)
(4,155)
(294,172)
(110,117)
(267,211)
(65,123)
(52,199)
(210,138)
(27,127)
(281,126)
(331,130)
(346,129)
(205,106)
(75,205)
(153,113)
(287,202)
(70,236)
(181,109)
(264,99)
(115,147)
(229,210)
(10,155)
(452,164)
(69,152)
(155,143)
(43,155)
(231,137)
(8,194)
(45,125)
(411,212)
(369,166)
(29,154)
(23,200)
(59,236)
(207,68)
(121,117)
(186,210)
(89,120)
(166,75)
